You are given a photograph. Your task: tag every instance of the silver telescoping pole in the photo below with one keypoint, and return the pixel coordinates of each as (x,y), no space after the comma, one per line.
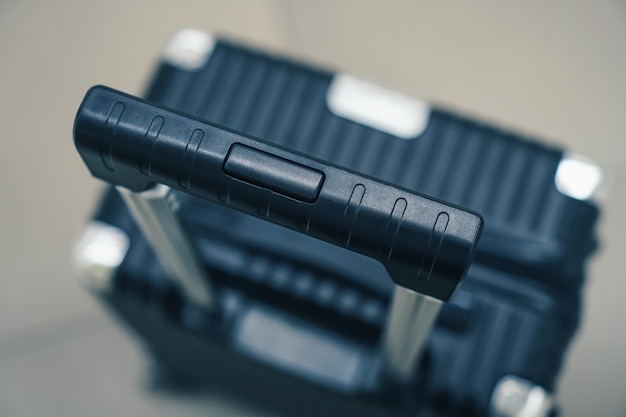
(155,212)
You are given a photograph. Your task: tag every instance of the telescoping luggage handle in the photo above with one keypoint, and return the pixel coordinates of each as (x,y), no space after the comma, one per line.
(425,245)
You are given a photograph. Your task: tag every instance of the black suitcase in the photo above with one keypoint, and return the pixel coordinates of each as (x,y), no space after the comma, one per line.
(300,320)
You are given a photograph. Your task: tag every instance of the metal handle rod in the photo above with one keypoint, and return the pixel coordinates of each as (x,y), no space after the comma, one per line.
(155,213)
(409,321)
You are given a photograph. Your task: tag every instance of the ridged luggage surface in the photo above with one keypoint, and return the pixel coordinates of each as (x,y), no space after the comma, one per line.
(505,177)
(487,332)
(503,321)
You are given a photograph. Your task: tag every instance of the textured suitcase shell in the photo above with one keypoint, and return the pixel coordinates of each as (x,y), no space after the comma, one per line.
(517,310)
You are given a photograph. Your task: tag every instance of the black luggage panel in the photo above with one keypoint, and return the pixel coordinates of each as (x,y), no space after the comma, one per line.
(498,324)
(506,177)
(515,314)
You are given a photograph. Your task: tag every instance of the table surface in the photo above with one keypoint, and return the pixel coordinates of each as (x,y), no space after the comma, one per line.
(553,69)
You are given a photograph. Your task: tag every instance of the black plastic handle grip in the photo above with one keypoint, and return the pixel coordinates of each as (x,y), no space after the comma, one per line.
(426,245)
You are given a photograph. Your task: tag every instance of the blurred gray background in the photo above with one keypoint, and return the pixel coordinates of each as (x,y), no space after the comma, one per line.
(552,69)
